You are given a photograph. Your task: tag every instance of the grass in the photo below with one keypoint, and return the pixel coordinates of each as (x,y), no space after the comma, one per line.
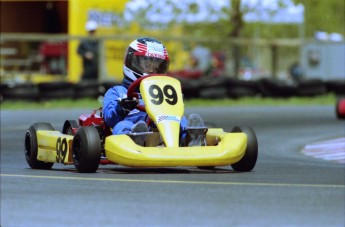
(329,99)
(51,104)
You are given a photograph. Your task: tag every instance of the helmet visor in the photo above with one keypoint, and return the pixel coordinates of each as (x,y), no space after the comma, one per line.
(149,65)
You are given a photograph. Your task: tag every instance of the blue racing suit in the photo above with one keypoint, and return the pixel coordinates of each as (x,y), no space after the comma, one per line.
(117,118)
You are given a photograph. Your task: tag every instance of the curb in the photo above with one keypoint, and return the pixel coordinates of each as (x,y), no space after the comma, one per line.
(330,150)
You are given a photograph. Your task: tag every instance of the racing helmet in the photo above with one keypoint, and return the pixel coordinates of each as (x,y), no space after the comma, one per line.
(144,56)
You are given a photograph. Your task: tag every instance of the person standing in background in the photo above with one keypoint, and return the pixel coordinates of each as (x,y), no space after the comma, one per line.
(88,50)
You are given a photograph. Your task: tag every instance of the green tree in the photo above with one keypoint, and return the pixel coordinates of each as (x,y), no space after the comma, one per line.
(328,16)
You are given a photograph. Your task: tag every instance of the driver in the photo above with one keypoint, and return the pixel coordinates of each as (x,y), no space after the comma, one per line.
(143,56)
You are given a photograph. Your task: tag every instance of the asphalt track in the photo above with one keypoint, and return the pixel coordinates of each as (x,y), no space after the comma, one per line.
(286,188)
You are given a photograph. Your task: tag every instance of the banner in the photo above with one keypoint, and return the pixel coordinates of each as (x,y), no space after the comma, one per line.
(107,15)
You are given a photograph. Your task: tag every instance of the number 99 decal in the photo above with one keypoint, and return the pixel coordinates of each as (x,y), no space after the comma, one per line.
(61,150)
(169,93)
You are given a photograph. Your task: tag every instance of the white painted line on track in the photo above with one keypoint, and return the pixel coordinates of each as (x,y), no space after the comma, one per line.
(176,181)
(330,150)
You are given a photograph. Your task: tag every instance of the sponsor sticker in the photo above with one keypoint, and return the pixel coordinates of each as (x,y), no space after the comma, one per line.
(155,50)
(168,118)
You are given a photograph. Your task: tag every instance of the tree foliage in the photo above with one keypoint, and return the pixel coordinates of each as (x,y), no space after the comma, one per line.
(323,15)
(328,16)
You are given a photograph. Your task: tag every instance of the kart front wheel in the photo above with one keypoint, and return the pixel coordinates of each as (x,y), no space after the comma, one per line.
(86,150)
(248,161)
(31,146)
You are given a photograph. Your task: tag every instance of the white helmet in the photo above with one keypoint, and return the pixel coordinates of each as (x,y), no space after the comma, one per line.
(144,56)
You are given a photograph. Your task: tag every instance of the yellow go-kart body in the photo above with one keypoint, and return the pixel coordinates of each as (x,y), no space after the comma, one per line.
(164,105)
(224,149)
(163,100)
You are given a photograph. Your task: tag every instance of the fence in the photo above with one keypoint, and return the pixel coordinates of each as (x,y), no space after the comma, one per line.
(20,53)
(31,65)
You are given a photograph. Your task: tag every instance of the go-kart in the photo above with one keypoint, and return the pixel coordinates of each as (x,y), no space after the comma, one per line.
(340,108)
(88,143)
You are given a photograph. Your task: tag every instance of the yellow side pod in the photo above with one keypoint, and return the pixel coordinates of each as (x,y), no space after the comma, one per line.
(230,149)
(53,146)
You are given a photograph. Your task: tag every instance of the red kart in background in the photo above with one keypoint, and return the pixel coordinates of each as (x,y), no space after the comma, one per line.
(340,108)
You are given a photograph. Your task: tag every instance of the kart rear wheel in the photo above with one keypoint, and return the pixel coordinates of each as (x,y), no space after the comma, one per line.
(86,150)
(68,127)
(248,161)
(31,146)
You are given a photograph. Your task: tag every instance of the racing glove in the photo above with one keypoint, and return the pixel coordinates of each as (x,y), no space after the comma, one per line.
(128,104)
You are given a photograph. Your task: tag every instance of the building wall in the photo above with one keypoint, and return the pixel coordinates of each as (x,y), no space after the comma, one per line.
(34,16)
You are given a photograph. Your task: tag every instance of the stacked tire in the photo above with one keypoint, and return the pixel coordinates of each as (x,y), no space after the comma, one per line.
(22,91)
(55,90)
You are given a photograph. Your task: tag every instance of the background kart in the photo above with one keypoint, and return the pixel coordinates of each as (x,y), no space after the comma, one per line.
(340,108)
(89,142)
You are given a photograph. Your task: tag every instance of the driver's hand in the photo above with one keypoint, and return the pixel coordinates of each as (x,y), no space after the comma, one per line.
(128,104)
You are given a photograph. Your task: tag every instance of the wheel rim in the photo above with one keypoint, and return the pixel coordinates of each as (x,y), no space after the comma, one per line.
(27,145)
(76,149)
(69,131)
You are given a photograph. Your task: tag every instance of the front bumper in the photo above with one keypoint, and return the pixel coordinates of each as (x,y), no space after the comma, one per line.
(230,149)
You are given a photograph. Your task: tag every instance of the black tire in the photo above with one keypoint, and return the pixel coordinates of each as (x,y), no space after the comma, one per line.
(68,125)
(31,146)
(337,87)
(237,88)
(105,86)
(311,87)
(55,90)
(276,88)
(248,161)
(213,93)
(86,89)
(86,150)
(190,88)
(25,91)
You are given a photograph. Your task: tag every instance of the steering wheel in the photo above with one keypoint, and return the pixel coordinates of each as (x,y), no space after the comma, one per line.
(131,89)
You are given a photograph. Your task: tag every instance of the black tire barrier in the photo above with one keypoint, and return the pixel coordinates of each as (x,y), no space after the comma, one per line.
(103,87)
(55,90)
(86,89)
(336,86)
(213,82)
(207,88)
(213,93)
(241,88)
(213,88)
(311,88)
(269,87)
(190,88)
(26,92)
